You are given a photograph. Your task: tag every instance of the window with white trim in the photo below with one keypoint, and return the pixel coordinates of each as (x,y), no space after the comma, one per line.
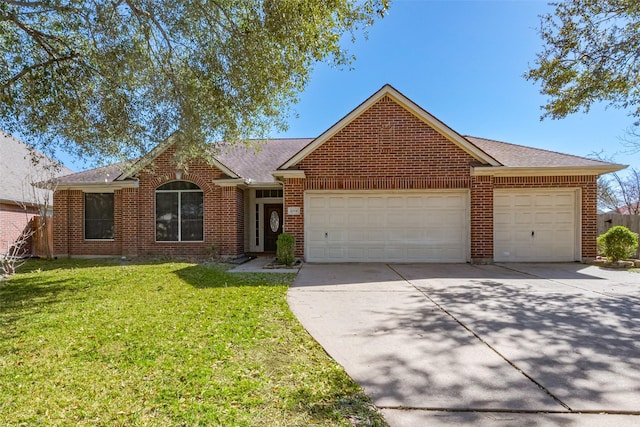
(179,212)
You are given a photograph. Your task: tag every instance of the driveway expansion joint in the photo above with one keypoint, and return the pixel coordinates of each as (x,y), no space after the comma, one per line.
(510,411)
(471,331)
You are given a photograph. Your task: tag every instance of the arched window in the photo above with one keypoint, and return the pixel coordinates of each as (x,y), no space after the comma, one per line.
(179,212)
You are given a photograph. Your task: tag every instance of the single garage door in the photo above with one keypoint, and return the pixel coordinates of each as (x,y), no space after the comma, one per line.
(535,225)
(386,227)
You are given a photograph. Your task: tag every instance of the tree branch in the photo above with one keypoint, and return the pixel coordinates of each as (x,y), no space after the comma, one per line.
(27,70)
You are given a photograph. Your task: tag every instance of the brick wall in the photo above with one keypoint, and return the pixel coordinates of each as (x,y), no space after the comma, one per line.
(134,216)
(388,148)
(481,219)
(385,148)
(294,224)
(14,220)
(60,223)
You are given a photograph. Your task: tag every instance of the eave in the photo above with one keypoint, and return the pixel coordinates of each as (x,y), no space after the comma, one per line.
(231,182)
(291,173)
(545,171)
(97,187)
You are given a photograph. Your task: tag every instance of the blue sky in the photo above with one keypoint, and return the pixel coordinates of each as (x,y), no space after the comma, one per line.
(463,61)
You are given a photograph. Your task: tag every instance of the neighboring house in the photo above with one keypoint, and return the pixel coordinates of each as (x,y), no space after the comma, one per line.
(631,209)
(387,182)
(19,200)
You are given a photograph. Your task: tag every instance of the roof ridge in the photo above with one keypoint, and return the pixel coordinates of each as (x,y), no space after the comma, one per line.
(536,148)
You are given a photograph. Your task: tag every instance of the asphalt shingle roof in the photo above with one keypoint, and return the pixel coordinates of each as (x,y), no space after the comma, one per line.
(257,162)
(104,174)
(18,171)
(513,155)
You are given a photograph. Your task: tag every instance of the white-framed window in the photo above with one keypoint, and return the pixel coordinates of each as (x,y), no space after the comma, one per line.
(179,212)
(98,216)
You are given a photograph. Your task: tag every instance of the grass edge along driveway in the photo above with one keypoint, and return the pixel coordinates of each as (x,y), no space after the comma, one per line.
(104,342)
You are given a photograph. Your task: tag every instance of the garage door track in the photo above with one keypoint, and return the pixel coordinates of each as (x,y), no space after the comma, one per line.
(441,344)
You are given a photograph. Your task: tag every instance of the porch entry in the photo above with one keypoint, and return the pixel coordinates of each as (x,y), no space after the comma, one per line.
(272,226)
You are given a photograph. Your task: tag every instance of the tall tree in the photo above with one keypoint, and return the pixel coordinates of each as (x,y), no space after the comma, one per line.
(591,54)
(115,77)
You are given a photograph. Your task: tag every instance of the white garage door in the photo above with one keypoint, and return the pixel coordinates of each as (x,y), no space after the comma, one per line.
(535,225)
(386,227)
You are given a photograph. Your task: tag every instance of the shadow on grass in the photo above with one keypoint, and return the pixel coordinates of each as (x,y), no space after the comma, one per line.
(355,407)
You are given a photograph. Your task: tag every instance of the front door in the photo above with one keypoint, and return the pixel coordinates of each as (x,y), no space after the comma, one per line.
(272,226)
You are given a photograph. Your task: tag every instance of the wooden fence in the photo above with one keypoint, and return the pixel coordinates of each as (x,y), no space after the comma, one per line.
(42,237)
(608,220)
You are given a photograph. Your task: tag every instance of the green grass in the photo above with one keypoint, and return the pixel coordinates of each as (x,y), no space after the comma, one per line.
(125,344)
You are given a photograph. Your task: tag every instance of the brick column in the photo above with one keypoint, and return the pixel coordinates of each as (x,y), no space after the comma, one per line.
(76,222)
(61,223)
(129,221)
(589,219)
(481,219)
(231,221)
(294,224)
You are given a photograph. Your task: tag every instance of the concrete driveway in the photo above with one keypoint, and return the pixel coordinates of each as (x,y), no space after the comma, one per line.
(447,344)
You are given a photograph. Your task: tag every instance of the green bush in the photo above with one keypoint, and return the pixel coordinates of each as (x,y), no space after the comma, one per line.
(286,251)
(618,243)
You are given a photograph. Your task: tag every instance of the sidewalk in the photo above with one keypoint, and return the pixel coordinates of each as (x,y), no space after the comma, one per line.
(256,265)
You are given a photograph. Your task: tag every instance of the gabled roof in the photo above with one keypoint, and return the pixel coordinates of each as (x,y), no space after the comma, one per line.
(415,109)
(19,173)
(147,159)
(257,163)
(101,175)
(251,163)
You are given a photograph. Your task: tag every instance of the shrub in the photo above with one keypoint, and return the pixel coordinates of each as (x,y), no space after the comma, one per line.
(286,247)
(618,243)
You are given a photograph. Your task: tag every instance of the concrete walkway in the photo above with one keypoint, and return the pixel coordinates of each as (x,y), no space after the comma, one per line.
(452,344)
(257,265)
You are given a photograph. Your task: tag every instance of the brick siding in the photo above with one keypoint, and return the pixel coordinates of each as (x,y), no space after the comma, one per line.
(385,148)
(134,216)
(14,220)
(388,148)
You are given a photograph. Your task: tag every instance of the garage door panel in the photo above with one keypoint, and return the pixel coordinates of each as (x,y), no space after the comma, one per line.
(524,219)
(409,227)
(338,236)
(371,220)
(415,202)
(535,225)
(356,202)
(337,220)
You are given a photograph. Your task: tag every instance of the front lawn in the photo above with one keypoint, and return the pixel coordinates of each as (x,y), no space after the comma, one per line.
(119,343)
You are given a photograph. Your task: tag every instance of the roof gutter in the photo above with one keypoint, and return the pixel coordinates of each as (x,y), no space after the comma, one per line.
(545,171)
(106,187)
(289,173)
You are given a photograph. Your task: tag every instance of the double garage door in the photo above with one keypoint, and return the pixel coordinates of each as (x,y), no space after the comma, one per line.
(386,227)
(433,226)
